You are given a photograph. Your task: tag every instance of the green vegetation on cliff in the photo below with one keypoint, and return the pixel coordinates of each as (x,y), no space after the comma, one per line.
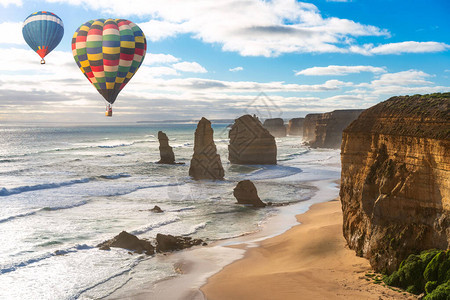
(427,272)
(423,116)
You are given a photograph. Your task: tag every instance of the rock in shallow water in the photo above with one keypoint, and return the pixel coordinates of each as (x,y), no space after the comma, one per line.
(165,151)
(128,241)
(251,143)
(245,192)
(205,162)
(166,243)
(156,209)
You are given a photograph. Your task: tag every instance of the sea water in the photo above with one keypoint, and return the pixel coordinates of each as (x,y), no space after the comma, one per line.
(65,189)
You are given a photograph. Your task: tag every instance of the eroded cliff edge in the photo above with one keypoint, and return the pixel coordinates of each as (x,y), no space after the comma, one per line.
(395,180)
(325,130)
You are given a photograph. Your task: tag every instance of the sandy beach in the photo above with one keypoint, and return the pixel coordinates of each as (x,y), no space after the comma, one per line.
(309,261)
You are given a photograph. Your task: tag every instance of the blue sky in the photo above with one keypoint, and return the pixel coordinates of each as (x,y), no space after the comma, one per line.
(213,58)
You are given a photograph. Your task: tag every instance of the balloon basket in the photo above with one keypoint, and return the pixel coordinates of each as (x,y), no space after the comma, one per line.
(42,62)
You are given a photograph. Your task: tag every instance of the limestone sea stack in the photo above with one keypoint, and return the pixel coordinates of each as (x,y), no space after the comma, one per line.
(205,163)
(295,126)
(165,151)
(251,143)
(395,187)
(276,127)
(245,193)
(309,127)
(329,127)
(325,130)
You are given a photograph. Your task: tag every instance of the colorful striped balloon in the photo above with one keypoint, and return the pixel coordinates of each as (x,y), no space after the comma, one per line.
(109,52)
(43,31)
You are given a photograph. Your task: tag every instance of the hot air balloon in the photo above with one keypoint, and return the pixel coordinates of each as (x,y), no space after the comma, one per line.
(109,52)
(43,31)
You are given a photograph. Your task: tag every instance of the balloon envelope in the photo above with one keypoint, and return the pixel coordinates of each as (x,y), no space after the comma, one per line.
(43,30)
(109,52)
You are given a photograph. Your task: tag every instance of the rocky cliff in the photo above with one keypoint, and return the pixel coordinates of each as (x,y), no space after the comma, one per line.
(295,126)
(329,126)
(275,126)
(205,162)
(309,127)
(251,143)
(395,180)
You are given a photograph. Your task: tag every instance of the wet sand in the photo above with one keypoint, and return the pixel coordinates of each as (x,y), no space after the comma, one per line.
(309,261)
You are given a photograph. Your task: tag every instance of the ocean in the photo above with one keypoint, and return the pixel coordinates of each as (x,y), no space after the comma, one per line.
(65,189)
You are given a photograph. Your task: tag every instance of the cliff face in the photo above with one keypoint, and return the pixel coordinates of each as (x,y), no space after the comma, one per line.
(329,127)
(275,127)
(295,126)
(309,127)
(395,187)
(251,143)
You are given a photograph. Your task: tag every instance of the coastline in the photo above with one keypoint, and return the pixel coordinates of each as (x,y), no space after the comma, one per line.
(196,265)
(309,261)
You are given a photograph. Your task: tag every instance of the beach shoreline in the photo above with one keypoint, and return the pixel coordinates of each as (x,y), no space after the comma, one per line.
(309,261)
(196,265)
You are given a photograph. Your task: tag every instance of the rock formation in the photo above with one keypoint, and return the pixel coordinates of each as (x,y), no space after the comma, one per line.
(166,243)
(205,163)
(275,127)
(251,143)
(165,151)
(156,209)
(329,127)
(245,193)
(325,130)
(295,126)
(395,187)
(128,241)
(309,127)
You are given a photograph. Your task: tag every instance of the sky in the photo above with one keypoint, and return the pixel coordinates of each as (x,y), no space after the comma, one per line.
(222,59)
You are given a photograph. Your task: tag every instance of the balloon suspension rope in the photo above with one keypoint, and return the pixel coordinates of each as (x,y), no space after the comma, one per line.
(42,62)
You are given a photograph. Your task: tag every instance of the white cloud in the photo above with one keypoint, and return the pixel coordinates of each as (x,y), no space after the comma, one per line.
(249,27)
(153,59)
(404,78)
(399,83)
(54,88)
(192,67)
(410,47)
(5,3)
(24,61)
(237,69)
(11,33)
(156,30)
(146,72)
(399,48)
(339,70)
(213,86)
